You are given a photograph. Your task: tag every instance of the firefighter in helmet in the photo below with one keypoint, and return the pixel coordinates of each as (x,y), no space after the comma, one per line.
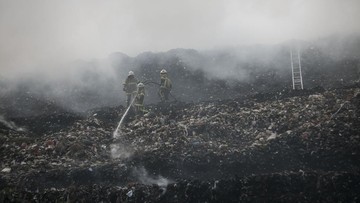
(165,86)
(130,87)
(139,99)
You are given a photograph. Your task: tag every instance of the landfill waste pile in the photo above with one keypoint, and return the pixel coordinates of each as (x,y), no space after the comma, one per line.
(299,146)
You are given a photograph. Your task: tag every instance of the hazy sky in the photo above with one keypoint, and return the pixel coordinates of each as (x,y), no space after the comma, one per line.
(47,33)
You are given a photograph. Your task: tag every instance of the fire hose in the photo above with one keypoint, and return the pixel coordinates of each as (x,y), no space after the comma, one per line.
(116,134)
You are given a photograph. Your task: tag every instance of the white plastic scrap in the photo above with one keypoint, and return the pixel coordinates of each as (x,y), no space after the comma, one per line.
(130,193)
(6,170)
(272,136)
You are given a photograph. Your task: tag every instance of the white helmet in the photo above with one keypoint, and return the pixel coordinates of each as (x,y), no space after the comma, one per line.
(141,84)
(131,73)
(163,71)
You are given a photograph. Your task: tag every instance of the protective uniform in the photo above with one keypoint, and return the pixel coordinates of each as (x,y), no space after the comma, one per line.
(130,87)
(165,86)
(139,100)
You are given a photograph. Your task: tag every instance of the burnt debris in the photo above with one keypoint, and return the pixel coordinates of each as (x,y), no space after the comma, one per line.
(293,146)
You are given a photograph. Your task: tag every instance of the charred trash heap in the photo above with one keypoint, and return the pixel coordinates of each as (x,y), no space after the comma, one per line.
(298,146)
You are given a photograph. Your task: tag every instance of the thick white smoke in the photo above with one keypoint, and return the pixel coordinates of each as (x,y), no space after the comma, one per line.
(38,36)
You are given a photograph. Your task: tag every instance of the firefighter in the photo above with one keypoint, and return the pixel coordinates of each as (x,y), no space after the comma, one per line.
(130,87)
(139,99)
(165,86)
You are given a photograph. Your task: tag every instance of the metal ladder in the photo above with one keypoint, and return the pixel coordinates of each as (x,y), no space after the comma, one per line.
(296,68)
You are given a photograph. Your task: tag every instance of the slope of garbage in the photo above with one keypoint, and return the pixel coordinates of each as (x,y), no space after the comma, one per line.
(282,146)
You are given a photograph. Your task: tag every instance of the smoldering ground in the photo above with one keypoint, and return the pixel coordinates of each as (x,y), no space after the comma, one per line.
(303,146)
(254,129)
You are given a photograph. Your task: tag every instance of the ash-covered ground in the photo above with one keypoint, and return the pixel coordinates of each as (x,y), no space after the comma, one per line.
(281,146)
